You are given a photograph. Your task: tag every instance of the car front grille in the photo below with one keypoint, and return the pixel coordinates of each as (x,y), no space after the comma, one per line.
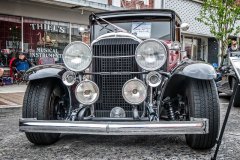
(111,85)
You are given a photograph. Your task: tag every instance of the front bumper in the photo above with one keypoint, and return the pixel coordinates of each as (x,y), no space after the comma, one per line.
(195,126)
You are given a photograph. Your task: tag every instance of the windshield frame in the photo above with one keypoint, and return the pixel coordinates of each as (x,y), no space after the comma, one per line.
(170,16)
(156,24)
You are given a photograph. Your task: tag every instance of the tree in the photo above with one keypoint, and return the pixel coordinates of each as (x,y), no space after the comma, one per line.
(221,17)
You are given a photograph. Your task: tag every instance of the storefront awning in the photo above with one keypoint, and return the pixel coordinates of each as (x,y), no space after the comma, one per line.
(82,4)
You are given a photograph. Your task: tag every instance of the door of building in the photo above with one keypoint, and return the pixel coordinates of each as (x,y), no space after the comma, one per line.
(191,46)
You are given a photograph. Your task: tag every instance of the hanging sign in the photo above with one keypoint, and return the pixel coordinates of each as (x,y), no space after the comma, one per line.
(49,27)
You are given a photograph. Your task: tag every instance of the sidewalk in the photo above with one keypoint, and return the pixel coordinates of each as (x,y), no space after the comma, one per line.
(11,96)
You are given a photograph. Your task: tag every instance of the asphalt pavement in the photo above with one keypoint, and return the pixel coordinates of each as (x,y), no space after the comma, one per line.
(14,144)
(11,96)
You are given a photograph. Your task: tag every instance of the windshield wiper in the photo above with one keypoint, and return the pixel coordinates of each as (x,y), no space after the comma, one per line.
(103,27)
(138,25)
(116,27)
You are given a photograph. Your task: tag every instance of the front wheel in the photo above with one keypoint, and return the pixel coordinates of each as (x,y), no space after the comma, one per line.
(202,102)
(41,101)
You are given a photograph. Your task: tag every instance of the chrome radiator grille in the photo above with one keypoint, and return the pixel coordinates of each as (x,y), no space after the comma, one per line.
(111,85)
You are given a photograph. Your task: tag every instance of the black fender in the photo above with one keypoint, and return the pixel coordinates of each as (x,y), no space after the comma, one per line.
(198,70)
(45,71)
(51,72)
(186,71)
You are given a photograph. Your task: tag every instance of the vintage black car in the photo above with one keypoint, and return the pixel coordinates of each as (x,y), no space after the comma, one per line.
(132,80)
(227,83)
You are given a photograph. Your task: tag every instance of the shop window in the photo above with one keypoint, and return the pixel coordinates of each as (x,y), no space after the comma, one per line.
(194,48)
(10,38)
(45,39)
(80,33)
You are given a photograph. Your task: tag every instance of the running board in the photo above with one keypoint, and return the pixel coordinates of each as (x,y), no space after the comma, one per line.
(195,126)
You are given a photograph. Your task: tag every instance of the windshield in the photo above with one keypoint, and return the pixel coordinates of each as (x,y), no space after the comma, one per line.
(231,54)
(235,54)
(140,28)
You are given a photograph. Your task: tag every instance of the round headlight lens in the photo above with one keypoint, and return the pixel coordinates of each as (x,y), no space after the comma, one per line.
(77,56)
(117,112)
(151,55)
(153,79)
(134,91)
(69,78)
(87,92)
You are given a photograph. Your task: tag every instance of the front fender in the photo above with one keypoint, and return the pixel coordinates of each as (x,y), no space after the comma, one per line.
(45,71)
(181,76)
(197,70)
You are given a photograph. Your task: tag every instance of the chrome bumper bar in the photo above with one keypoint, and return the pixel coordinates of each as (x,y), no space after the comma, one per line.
(195,126)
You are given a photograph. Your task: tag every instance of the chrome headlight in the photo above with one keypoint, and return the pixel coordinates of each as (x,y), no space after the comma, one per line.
(134,91)
(151,54)
(153,79)
(69,78)
(87,92)
(77,56)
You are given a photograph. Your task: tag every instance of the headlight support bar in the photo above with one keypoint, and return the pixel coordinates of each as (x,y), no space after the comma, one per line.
(167,74)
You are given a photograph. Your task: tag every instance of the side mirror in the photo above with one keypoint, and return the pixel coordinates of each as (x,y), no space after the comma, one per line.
(83,29)
(184,26)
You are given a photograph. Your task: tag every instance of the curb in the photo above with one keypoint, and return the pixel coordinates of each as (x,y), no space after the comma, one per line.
(7,108)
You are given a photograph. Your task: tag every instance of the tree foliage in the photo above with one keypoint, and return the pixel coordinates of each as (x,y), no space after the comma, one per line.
(221,17)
